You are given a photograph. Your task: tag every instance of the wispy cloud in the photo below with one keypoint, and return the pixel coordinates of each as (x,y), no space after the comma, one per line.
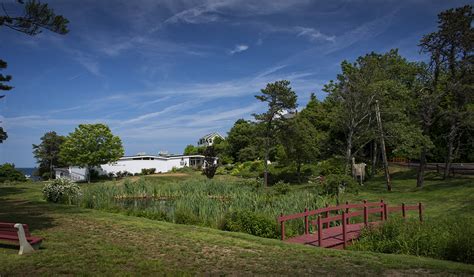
(238,49)
(313,34)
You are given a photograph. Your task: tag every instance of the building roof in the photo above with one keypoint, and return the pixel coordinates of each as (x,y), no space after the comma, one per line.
(212,135)
(159,157)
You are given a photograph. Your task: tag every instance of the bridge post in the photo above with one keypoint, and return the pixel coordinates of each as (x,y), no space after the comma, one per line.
(344,238)
(404,212)
(382,216)
(347,211)
(420,211)
(320,232)
(366,214)
(306,225)
(385,211)
(282,228)
(327,215)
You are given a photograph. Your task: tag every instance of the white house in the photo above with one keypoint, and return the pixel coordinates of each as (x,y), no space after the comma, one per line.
(134,164)
(208,139)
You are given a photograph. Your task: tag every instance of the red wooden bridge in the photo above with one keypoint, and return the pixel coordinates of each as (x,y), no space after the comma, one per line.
(337,226)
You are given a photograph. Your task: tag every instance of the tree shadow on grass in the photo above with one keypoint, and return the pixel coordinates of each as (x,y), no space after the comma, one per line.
(10,190)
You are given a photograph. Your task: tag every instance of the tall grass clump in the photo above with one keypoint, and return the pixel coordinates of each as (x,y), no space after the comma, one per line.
(232,205)
(447,239)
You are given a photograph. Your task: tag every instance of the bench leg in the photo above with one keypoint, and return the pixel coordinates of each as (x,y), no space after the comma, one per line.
(25,246)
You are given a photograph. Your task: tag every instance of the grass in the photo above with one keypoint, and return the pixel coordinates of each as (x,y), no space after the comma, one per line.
(83,241)
(441,198)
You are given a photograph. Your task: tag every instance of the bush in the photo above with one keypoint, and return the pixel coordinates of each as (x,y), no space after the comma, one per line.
(251,223)
(282,187)
(62,191)
(451,239)
(148,171)
(8,172)
(331,166)
(185,216)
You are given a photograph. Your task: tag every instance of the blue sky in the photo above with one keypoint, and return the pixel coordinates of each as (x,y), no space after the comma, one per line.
(163,73)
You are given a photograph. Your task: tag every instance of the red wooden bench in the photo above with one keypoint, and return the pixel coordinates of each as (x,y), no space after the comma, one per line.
(335,231)
(19,234)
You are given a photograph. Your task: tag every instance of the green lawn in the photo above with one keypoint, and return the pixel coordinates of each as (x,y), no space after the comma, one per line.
(83,241)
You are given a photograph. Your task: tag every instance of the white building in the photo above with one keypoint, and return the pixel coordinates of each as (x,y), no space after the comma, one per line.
(134,164)
(208,139)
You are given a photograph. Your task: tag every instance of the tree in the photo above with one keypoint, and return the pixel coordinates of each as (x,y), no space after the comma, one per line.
(3,135)
(36,16)
(242,139)
(451,49)
(387,78)
(301,141)
(8,172)
(47,153)
(91,145)
(280,98)
(210,162)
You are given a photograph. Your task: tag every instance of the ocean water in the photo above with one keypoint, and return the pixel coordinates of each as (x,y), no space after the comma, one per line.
(29,171)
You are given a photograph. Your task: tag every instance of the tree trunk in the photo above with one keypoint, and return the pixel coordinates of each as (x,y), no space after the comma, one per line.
(298,172)
(349,151)
(382,147)
(51,169)
(449,154)
(265,172)
(374,159)
(420,178)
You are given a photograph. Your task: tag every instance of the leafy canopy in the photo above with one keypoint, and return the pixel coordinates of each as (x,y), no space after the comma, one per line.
(91,145)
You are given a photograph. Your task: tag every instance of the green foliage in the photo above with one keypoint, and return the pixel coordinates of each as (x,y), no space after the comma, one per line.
(3,134)
(91,145)
(193,150)
(281,187)
(448,239)
(36,16)
(199,200)
(62,191)
(251,223)
(333,165)
(148,171)
(8,172)
(337,184)
(47,154)
(210,162)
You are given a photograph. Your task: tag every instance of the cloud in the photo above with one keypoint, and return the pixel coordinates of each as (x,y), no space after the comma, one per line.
(313,34)
(238,49)
(211,10)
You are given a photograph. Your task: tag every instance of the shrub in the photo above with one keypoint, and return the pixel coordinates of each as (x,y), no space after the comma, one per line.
(251,223)
(282,187)
(331,166)
(451,239)
(337,184)
(62,191)
(8,172)
(185,216)
(148,171)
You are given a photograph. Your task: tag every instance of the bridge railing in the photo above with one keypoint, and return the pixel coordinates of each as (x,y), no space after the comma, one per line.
(343,216)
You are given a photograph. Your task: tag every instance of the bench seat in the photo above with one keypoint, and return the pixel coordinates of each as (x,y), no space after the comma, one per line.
(13,238)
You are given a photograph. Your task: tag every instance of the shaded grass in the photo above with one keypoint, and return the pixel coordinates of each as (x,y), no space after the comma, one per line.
(90,242)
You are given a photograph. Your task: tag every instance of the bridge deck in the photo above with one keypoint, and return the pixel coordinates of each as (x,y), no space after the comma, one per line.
(332,237)
(335,236)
